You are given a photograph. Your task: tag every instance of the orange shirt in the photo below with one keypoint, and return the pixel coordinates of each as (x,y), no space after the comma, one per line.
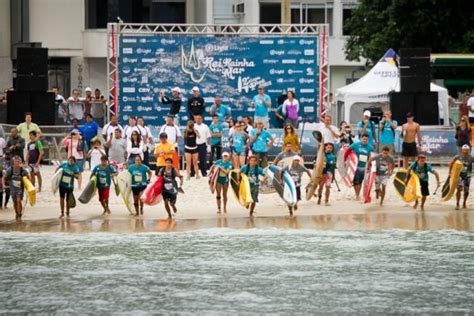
(161,148)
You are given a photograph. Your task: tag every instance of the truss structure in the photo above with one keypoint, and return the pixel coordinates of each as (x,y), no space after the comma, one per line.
(115,30)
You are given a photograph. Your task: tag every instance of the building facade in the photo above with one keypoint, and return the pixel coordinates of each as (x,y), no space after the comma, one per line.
(75,32)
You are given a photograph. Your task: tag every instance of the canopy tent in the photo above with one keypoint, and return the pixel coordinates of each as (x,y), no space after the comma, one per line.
(373,89)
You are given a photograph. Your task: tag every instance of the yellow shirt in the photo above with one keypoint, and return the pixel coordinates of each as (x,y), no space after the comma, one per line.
(292,139)
(25,130)
(160,148)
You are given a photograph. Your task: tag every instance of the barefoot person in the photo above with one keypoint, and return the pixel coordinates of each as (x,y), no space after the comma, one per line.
(104,173)
(384,169)
(410,133)
(14,176)
(422,168)
(253,171)
(141,175)
(238,141)
(223,166)
(363,150)
(170,188)
(191,149)
(286,153)
(296,170)
(66,186)
(34,154)
(465,177)
(328,173)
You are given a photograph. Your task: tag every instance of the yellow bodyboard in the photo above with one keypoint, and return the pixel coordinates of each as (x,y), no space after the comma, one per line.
(448,192)
(412,189)
(30,190)
(245,197)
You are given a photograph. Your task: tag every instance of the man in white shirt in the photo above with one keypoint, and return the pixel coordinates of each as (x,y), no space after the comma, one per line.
(171,130)
(132,126)
(76,105)
(202,143)
(470,106)
(109,128)
(329,132)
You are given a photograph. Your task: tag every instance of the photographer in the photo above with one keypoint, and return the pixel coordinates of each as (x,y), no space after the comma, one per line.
(387,129)
(367,127)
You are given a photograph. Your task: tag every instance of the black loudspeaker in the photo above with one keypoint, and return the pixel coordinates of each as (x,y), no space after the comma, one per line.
(32,61)
(43,107)
(31,83)
(400,104)
(426,108)
(18,103)
(415,69)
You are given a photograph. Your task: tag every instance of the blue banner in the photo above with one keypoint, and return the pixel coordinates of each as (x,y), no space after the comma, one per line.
(231,67)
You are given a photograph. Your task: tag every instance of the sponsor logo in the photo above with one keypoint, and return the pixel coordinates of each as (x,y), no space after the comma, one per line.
(125,117)
(127,108)
(274,52)
(127,50)
(309,52)
(292,71)
(148,60)
(150,118)
(280,42)
(250,84)
(309,71)
(144,51)
(144,108)
(281,80)
(128,99)
(128,89)
(129,40)
(142,40)
(140,70)
(309,109)
(165,41)
(127,79)
(303,80)
(144,79)
(288,61)
(277,71)
(307,100)
(126,69)
(159,51)
(143,90)
(274,91)
(306,90)
(159,108)
(266,42)
(270,61)
(294,52)
(166,60)
(147,99)
(386,74)
(306,42)
(216,48)
(306,61)
(129,60)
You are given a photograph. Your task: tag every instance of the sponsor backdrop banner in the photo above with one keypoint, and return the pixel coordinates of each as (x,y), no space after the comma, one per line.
(232,67)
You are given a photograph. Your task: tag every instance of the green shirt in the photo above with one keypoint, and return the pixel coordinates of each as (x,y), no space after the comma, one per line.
(253,173)
(25,130)
(67,179)
(103,175)
(139,175)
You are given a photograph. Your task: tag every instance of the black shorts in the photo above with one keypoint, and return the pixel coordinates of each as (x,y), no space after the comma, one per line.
(191,151)
(471,120)
(298,193)
(425,191)
(63,192)
(409,150)
(137,190)
(170,197)
(254,193)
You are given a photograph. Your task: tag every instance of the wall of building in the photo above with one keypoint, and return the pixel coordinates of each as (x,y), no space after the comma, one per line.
(340,74)
(5,59)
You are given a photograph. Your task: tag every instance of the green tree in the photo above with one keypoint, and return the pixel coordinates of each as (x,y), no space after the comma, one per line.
(445,26)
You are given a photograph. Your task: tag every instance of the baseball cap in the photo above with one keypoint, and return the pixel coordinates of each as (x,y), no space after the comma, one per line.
(297,158)
(88,89)
(409,114)
(225,153)
(367,113)
(177,89)
(195,88)
(465,146)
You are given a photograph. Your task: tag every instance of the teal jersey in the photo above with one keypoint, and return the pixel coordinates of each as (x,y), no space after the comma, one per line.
(363,153)
(422,172)
(387,134)
(139,175)
(261,142)
(222,112)
(67,179)
(330,163)
(222,178)
(370,130)
(261,109)
(253,174)
(216,128)
(239,142)
(103,175)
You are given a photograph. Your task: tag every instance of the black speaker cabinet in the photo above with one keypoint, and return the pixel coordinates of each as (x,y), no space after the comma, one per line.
(18,103)
(400,104)
(31,83)
(426,108)
(43,107)
(32,61)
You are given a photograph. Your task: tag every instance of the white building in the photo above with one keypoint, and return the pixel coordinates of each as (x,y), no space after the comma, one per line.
(74,31)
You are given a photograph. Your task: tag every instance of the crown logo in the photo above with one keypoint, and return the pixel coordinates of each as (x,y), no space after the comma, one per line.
(191,63)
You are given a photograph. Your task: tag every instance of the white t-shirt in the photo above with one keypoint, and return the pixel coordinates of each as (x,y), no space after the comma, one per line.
(95,155)
(204,133)
(470,104)
(3,144)
(76,108)
(173,133)
(108,129)
(326,132)
(127,131)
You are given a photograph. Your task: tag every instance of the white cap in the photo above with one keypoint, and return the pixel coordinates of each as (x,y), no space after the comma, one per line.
(195,88)
(465,146)
(297,158)
(225,153)
(88,89)
(177,89)
(367,113)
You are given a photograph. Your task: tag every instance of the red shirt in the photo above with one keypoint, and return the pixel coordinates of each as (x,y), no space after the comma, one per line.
(463,109)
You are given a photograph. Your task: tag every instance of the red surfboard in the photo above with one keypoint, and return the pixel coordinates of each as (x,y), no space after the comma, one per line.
(350,161)
(152,194)
(213,179)
(369,181)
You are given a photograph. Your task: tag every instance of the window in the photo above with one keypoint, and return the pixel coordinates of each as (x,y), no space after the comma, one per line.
(270,13)
(304,13)
(346,15)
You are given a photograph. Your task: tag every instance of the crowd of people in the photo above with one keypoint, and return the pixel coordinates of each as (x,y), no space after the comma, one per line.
(114,148)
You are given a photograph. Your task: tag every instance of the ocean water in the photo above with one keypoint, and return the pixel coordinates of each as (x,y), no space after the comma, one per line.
(227,271)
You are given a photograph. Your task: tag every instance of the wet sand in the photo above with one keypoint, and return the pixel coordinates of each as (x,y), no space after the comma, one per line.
(197,210)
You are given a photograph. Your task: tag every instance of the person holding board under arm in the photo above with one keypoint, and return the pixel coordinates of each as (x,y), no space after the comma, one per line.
(363,150)
(422,168)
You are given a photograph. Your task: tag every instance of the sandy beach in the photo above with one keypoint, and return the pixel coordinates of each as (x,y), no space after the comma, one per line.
(197,210)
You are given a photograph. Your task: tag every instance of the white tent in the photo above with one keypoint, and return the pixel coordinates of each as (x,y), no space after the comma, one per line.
(373,89)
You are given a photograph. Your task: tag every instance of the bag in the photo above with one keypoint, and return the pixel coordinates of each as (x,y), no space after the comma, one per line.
(71,200)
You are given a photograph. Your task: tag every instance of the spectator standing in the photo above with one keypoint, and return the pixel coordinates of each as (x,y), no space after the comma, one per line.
(238,143)
(95,154)
(117,147)
(280,117)
(28,126)
(163,150)
(108,130)
(247,124)
(262,103)
(290,109)
(216,130)
(172,131)
(16,143)
(175,102)
(329,132)
(463,134)
(191,149)
(470,105)
(347,138)
(89,98)
(262,142)
(134,147)
(223,112)
(147,140)
(60,102)
(367,127)
(76,106)
(3,145)
(89,131)
(387,128)
(75,148)
(132,126)
(290,138)
(195,104)
(34,155)
(463,108)
(202,142)
(410,133)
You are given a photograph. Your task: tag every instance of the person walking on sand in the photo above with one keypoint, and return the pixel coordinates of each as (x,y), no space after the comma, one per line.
(163,150)
(238,144)
(363,150)
(465,177)
(261,141)
(216,130)
(253,171)
(410,133)
(74,146)
(170,187)
(223,166)
(14,176)
(104,173)
(295,170)
(95,154)
(191,149)
(328,173)
(287,153)
(422,168)
(71,171)
(34,155)
(141,176)
(384,168)
(202,142)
